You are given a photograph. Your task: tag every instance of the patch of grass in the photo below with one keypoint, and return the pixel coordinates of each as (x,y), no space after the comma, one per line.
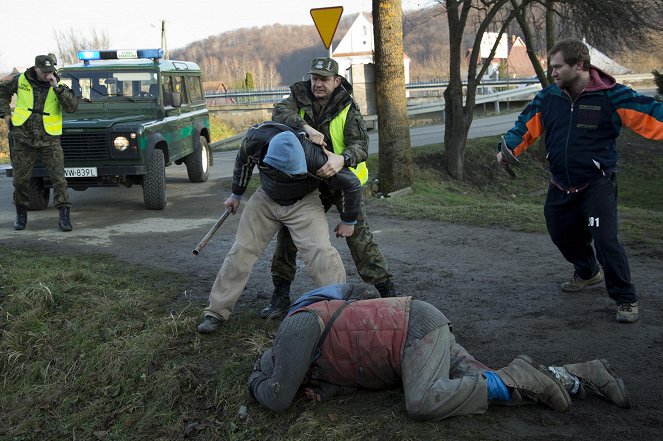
(92,350)
(90,346)
(488,196)
(219,129)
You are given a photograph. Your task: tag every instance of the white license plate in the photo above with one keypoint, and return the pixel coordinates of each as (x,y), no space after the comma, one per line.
(80,172)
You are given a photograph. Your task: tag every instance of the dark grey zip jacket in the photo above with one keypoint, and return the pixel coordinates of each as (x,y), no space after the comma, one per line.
(286,189)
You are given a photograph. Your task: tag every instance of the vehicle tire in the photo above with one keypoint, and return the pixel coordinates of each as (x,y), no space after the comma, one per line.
(38,195)
(198,162)
(154,182)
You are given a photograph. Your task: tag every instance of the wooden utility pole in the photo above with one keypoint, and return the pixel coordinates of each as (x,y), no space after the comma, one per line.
(164,45)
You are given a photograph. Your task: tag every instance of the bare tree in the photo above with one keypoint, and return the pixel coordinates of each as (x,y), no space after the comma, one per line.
(72,41)
(459,106)
(395,161)
(623,24)
(522,10)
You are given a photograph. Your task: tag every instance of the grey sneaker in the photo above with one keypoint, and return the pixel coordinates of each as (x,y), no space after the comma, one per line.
(209,325)
(576,283)
(627,312)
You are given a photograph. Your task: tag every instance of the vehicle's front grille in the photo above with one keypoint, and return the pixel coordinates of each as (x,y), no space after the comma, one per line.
(85,146)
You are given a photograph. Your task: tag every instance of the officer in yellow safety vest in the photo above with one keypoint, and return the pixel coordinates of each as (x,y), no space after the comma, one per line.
(323,107)
(35,127)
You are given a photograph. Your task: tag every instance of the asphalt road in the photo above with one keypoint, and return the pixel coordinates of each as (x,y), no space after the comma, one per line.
(419,136)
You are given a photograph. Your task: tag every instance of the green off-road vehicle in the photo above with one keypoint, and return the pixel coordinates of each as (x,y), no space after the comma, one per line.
(137,114)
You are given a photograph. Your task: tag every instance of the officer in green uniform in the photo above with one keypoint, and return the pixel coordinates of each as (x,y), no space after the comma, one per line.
(35,127)
(323,108)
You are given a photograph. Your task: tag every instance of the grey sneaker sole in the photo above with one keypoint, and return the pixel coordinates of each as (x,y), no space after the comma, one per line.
(632,318)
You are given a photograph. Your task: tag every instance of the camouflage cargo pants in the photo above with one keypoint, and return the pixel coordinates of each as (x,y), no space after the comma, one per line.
(366,254)
(23,159)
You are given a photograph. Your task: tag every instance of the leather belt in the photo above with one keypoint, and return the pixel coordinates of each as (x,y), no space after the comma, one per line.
(569,190)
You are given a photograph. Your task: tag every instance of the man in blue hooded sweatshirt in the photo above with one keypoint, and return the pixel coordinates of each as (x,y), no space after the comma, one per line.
(582,115)
(288,196)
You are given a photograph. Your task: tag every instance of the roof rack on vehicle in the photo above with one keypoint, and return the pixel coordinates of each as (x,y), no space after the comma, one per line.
(119,54)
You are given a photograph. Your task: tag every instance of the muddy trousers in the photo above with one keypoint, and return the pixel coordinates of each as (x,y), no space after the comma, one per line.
(441,379)
(371,264)
(575,219)
(24,157)
(259,222)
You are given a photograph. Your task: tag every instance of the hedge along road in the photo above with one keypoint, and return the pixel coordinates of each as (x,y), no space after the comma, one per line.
(501,303)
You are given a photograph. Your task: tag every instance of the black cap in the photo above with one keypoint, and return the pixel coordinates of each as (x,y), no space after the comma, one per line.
(46,62)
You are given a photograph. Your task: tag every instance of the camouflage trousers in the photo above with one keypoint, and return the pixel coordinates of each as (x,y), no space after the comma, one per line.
(366,254)
(23,159)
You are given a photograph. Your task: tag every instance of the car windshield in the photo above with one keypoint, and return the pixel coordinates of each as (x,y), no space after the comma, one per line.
(109,85)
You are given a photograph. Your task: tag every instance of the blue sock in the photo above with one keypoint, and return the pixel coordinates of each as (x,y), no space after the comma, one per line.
(497,390)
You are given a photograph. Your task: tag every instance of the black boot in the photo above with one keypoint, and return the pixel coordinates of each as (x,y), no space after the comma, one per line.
(64,222)
(21,217)
(280,302)
(386,288)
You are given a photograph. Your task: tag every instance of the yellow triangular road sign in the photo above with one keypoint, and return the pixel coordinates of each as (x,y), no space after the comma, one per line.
(326,21)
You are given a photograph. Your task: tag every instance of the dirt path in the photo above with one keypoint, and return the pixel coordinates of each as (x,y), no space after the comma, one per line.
(499,288)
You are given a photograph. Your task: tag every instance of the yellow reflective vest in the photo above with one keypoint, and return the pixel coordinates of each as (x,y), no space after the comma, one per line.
(52,115)
(336,130)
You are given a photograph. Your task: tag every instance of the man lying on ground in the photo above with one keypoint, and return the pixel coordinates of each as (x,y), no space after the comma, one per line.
(358,340)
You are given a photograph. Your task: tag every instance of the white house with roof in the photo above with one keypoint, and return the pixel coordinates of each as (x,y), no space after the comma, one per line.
(358,47)
(605,63)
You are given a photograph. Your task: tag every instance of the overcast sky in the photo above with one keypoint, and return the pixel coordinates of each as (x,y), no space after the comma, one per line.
(28,26)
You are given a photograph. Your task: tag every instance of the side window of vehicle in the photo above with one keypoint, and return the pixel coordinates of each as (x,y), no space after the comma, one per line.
(178,86)
(167,91)
(194,88)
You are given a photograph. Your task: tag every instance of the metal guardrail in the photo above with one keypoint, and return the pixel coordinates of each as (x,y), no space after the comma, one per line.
(227,143)
(527,89)
(235,141)
(481,99)
(242,96)
(249,96)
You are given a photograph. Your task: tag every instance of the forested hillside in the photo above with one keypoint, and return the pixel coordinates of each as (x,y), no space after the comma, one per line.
(278,55)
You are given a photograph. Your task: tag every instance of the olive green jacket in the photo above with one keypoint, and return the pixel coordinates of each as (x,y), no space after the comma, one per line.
(32,132)
(355,133)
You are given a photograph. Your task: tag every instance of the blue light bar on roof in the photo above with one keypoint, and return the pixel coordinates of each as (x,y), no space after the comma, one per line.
(121,54)
(89,55)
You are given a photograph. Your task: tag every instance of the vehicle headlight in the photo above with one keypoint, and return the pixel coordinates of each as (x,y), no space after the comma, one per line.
(121,143)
